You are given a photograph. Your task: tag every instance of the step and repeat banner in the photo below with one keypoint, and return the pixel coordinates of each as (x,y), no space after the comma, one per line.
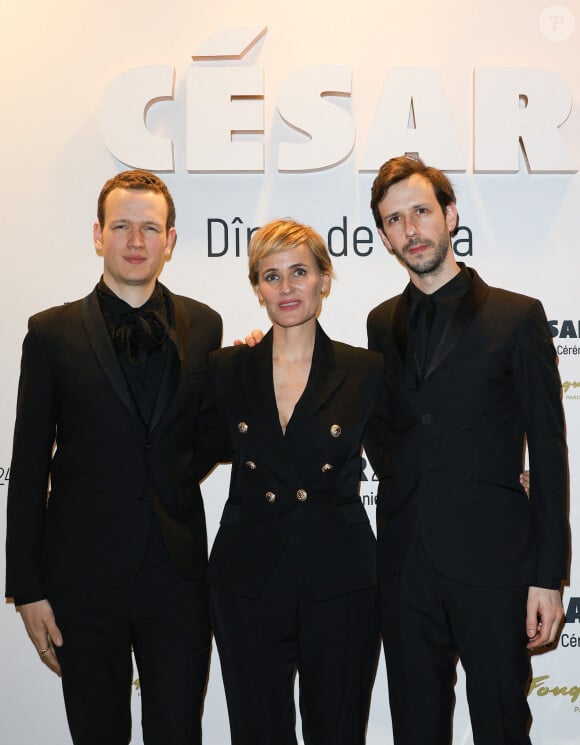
(258,110)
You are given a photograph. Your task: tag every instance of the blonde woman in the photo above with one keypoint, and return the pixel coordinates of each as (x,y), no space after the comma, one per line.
(293,567)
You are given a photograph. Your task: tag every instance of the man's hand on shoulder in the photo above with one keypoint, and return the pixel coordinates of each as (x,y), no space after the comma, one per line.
(42,629)
(544,616)
(254,337)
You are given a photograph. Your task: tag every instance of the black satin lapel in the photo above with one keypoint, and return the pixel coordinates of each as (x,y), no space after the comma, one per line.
(174,369)
(404,338)
(400,326)
(465,313)
(102,345)
(180,324)
(321,386)
(167,389)
(258,385)
(324,379)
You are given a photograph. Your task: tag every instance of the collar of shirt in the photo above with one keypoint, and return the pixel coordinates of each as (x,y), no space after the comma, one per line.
(447,296)
(114,309)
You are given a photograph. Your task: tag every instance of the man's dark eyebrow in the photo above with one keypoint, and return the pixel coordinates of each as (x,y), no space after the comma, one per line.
(413,207)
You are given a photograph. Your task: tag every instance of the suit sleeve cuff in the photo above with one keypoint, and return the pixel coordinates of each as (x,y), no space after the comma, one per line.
(25,599)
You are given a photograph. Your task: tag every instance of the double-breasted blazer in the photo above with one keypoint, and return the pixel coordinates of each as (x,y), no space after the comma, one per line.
(302,485)
(456,442)
(79,428)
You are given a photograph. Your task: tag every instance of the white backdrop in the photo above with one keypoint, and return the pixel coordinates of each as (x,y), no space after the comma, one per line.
(60,106)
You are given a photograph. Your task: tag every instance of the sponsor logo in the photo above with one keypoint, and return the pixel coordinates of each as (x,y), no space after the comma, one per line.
(571,389)
(542,686)
(566,336)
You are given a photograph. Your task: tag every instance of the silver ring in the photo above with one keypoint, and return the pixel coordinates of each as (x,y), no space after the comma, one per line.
(43,651)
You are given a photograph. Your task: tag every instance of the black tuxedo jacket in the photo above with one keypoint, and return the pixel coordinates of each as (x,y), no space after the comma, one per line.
(78,427)
(302,485)
(456,443)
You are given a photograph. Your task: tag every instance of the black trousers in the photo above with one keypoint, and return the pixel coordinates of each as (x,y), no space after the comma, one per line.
(262,642)
(161,616)
(427,621)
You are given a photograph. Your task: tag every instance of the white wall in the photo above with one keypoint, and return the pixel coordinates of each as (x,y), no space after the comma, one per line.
(56,61)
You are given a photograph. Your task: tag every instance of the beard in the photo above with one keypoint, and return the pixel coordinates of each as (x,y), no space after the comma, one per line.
(424,265)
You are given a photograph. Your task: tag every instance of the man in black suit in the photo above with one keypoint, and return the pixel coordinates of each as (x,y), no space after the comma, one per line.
(114,558)
(468,565)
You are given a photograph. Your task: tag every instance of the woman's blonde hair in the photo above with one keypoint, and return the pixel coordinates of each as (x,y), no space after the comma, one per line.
(281,235)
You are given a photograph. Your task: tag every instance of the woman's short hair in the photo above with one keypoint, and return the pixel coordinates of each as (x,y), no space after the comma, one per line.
(281,235)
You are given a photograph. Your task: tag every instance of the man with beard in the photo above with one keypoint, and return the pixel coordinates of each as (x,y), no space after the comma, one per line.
(469,566)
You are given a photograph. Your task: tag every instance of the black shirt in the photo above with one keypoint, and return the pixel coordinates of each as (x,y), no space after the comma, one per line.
(429,316)
(144,340)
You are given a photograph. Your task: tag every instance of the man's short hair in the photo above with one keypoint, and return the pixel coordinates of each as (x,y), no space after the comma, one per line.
(137,180)
(401,168)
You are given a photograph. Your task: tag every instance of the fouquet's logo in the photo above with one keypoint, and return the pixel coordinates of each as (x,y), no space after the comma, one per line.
(571,389)
(542,686)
